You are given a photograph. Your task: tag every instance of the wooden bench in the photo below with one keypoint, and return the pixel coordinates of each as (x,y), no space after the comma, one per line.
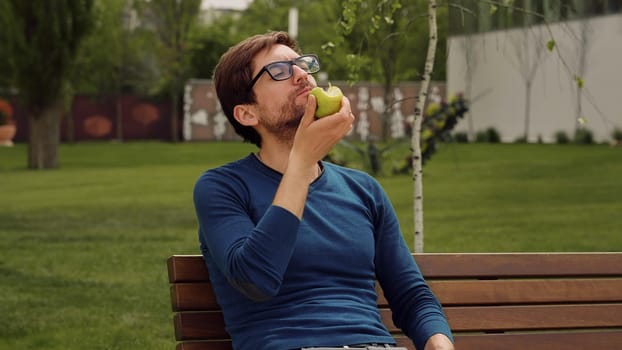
(507,301)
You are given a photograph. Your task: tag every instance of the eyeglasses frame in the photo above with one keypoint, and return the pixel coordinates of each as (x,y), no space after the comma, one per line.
(291,69)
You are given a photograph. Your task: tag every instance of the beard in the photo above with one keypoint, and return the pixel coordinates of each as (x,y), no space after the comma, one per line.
(286,122)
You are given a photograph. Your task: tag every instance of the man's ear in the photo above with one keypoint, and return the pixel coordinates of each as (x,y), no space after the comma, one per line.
(245,115)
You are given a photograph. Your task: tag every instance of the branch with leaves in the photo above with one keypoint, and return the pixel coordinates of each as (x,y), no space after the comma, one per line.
(439,120)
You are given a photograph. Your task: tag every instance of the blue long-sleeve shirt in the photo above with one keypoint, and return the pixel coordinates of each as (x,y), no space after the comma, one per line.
(285,283)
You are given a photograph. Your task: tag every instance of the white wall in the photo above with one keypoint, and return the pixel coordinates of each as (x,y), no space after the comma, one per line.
(497,88)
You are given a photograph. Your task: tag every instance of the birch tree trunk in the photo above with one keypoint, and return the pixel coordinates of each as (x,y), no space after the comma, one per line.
(416,135)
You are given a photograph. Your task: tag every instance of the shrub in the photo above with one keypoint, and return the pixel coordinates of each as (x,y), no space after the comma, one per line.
(617,135)
(561,137)
(480,136)
(583,136)
(461,137)
(490,135)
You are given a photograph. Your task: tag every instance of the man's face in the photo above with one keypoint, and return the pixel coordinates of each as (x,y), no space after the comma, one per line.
(281,104)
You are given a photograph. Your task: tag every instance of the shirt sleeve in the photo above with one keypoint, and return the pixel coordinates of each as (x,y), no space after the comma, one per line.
(415,309)
(253,257)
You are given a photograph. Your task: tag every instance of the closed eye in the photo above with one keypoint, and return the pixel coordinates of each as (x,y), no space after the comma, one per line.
(280,70)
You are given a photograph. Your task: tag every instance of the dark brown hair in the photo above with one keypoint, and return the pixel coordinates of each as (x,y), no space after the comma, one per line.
(232,76)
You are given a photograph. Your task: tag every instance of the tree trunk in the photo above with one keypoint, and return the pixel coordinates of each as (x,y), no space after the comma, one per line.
(388,71)
(44,137)
(386,113)
(585,40)
(71,132)
(527,109)
(174,126)
(579,111)
(416,135)
(119,117)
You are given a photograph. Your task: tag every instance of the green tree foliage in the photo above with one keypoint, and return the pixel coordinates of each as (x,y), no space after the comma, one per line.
(383,34)
(394,52)
(210,42)
(41,40)
(173,23)
(43,43)
(388,39)
(116,56)
(7,23)
(316,27)
(440,120)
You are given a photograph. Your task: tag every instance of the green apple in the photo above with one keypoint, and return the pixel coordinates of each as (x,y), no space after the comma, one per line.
(328,101)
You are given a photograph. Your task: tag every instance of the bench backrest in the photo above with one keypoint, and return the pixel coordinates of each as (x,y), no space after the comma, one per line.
(546,301)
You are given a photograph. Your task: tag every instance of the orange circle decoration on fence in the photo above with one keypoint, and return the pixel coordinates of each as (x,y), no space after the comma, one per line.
(145,114)
(97,126)
(7,133)
(7,126)
(6,112)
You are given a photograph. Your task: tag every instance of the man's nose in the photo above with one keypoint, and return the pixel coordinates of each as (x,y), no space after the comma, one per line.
(299,74)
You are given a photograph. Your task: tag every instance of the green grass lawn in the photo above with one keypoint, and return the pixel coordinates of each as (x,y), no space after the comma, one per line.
(83,248)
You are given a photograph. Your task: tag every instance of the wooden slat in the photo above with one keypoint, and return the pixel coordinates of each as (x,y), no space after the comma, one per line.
(200,326)
(461,318)
(522,291)
(191,326)
(189,268)
(541,341)
(516,318)
(541,317)
(483,292)
(200,296)
(531,341)
(400,341)
(193,297)
(551,295)
(186,268)
(494,265)
(404,341)
(218,345)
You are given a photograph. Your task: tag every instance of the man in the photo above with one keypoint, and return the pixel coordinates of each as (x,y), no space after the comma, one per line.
(294,244)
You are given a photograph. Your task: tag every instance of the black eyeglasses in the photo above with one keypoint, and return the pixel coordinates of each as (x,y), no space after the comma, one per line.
(281,70)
